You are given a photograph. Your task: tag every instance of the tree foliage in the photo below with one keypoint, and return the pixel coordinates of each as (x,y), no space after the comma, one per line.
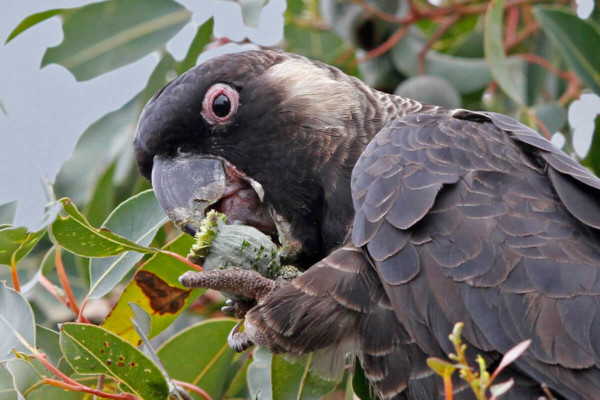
(109,263)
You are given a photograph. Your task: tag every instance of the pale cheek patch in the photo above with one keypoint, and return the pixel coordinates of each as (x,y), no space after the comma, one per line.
(326,102)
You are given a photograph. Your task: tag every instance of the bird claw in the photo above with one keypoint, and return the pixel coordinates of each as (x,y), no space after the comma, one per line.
(237,308)
(238,341)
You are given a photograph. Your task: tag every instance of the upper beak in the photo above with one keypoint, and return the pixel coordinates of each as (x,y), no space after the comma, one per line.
(186,185)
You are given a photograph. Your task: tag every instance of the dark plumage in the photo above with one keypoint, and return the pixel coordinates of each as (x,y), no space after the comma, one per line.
(421,217)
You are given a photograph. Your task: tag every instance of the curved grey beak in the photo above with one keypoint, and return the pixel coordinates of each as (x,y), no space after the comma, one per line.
(186,185)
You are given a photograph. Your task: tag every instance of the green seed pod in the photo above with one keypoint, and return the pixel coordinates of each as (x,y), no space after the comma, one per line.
(222,246)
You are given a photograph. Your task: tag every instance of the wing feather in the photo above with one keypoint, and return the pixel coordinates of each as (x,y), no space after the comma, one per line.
(486,222)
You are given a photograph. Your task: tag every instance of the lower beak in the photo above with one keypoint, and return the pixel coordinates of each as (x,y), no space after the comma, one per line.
(186,185)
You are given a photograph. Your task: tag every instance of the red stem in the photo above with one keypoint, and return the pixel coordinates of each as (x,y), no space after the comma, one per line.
(15,277)
(385,46)
(49,286)
(64,281)
(193,388)
(71,384)
(85,389)
(183,260)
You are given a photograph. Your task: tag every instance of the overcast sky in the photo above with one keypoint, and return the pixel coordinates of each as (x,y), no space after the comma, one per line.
(47,109)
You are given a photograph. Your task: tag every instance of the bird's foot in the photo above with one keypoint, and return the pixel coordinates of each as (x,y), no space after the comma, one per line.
(239,341)
(246,283)
(238,308)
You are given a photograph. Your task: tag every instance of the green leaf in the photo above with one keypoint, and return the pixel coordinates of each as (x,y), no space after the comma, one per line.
(137,219)
(156,289)
(259,374)
(25,376)
(103,196)
(33,20)
(75,234)
(143,325)
(7,387)
(16,323)
(295,380)
(91,350)
(104,36)
(430,89)
(106,139)
(499,389)
(360,383)
(7,212)
(552,115)
(443,368)
(200,355)
(202,38)
(325,46)
(48,342)
(494,50)
(16,243)
(466,74)
(576,39)
(592,160)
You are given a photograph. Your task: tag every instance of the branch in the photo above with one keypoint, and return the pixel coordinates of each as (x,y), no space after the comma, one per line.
(183,260)
(49,286)
(70,384)
(193,388)
(64,281)
(443,28)
(385,46)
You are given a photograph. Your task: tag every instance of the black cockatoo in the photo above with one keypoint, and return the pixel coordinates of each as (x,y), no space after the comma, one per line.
(408,218)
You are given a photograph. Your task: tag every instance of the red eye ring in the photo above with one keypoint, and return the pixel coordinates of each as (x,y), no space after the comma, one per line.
(208,104)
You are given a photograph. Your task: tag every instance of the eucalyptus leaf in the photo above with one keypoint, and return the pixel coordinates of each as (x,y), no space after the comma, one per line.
(577,40)
(91,350)
(156,289)
(7,212)
(48,343)
(360,383)
(466,74)
(494,50)
(430,89)
(33,20)
(75,234)
(205,365)
(143,325)
(16,243)
(103,196)
(117,33)
(106,139)
(7,387)
(259,374)
(552,115)
(137,219)
(17,326)
(296,380)
(592,160)
(25,376)
(202,38)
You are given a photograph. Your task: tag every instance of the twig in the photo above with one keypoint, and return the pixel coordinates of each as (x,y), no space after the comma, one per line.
(533,58)
(511,24)
(49,286)
(539,123)
(443,28)
(15,277)
(71,384)
(64,281)
(183,260)
(385,46)
(193,388)
(572,90)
